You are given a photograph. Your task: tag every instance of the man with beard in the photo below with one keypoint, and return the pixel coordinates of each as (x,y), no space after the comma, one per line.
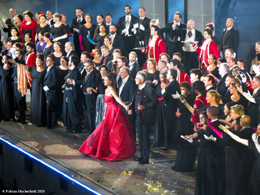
(72,97)
(116,40)
(125,25)
(133,65)
(69,50)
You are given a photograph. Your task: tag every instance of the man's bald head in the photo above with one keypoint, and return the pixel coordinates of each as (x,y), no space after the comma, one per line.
(229,22)
(245,121)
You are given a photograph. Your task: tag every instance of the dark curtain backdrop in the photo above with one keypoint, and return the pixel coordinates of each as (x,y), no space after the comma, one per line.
(246,15)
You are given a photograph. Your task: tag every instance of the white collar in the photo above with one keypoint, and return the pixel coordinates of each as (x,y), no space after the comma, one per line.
(49,68)
(140,88)
(80,18)
(255,90)
(255,140)
(109,23)
(163,69)
(131,64)
(230,28)
(142,18)
(214,120)
(90,71)
(208,87)
(125,79)
(193,31)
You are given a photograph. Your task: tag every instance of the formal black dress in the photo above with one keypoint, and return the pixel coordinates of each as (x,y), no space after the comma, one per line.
(60,81)
(60,31)
(6,94)
(152,76)
(186,154)
(56,60)
(84,32)
(161,123)
(19,40)
(38,100)
(99,40)
(47,51)
(254,187)
(215,72)
(45,29)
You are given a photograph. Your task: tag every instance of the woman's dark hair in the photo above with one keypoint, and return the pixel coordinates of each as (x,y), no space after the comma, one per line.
(64,58)
(20,17)
(103,66)
(111,78)
(229,104)
(43,15)
(47,35)
(174,73)
(41,32)
(108,37)
(208,31)
(29,35)
(156,28)
(14,29)
(164,74)
(57,15)
(204,113)
(8,58)
(91,18)
(199,85)
(213,81)
(102,25)
(40,56)
(18,45)
(28,13)
(210,26)
(186,85)
(213,56)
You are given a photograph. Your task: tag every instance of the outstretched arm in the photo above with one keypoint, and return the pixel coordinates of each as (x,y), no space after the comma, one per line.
(233,136)
(113,92)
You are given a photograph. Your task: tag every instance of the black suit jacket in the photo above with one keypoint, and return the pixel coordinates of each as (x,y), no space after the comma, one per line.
(198,36)
(75,92)
(140,34)
(121,24)
(128,91)
(221,85)
(134,70)
(172,35)
(72,53)
(10,26)
(50,80)
(253,110)
(231,40)
(150,101)
(118,42)
(76,25)
(91,81)
(109,58)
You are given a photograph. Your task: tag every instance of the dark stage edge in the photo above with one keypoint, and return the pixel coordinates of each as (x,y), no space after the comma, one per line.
(59,149)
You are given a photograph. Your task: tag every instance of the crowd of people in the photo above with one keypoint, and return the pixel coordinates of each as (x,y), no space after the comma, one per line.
(132,78)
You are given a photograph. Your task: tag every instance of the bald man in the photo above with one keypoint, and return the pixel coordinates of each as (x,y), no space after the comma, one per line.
(230,38)
(10,21)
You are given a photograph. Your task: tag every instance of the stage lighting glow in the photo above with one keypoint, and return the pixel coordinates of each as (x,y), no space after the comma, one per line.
(49,166)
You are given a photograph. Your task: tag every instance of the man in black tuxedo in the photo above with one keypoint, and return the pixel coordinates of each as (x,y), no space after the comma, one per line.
(10,22)
(126,92)
(91,80)
(210,82)
(125,26)
(69,50)
(117,40)
(100,20)
(75,26)
(133,65)
(50,83)
(121,62)
(230,38)
(49,19)
(83,58)
(71,99)
(106,55)
(141,30)
(108,18)
(144,105)
(189,54)
(223,71)
(173,34)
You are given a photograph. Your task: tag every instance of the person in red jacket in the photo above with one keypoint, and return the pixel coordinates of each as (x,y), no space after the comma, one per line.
(31,56)
(28,26)
(155,46)
(181,76)
(207,48)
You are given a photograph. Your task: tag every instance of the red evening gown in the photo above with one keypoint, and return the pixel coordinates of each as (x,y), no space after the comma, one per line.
(113,139)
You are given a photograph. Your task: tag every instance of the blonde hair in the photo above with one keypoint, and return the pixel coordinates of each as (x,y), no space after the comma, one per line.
(215,94)
(153,62)
(238,109)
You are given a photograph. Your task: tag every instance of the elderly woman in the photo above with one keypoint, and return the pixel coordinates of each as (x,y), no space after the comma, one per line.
(28,25)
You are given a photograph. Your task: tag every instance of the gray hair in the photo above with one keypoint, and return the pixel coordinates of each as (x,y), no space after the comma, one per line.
(71,44)
(142,75)
(104,47)
(127,70)
(226,66)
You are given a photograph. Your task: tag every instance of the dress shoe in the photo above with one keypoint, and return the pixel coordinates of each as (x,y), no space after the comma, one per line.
(142,162)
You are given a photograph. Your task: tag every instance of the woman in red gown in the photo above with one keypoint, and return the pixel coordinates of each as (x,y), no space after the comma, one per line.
(113,139)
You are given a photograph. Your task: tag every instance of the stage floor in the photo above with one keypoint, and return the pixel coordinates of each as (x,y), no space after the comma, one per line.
(124,177)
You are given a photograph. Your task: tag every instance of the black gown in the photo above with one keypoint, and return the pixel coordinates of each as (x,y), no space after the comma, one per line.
(214,72)
(84,32)
(56,59)
(19,40)
(254,181)
(47,51)
(161,122)
(6,94)
(186,153)
(45,29)
(60,81)
(99,40)
(60,31)
(153,76)
(38,100)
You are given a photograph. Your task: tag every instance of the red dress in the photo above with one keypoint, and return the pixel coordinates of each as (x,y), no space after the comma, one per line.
(28,29)
(211,48)
(113,139)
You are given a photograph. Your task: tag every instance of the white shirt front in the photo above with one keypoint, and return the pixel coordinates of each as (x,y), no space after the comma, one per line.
(188,47)
(123,84)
